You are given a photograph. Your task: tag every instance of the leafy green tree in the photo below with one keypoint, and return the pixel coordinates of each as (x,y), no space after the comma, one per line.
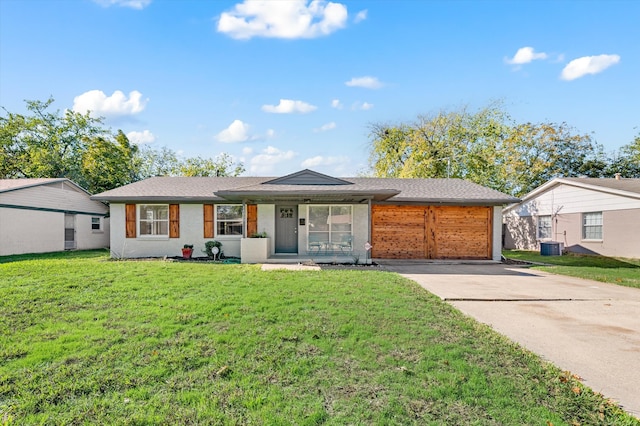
(12,151)
(222,165)
(108,164)
(626,161)
(45,143)
(151,162)
(165,162)
(486,147)
(532,154)
(391,149)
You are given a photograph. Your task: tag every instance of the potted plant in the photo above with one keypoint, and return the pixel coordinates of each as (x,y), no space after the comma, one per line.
(187,251)
(209,247)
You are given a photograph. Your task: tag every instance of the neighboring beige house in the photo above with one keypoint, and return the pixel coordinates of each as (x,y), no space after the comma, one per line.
(307,215)
(587,215)
(46,215)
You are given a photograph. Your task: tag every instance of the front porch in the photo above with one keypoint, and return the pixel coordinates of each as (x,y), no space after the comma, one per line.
(318,259)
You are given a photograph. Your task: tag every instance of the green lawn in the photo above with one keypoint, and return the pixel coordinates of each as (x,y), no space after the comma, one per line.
(606,269)
(86,340)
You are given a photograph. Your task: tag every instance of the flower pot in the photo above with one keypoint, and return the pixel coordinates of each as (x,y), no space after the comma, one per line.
(186,253)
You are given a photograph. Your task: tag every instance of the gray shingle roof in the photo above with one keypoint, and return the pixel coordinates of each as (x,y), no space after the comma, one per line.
(13,184)
(196,189)
(629,185)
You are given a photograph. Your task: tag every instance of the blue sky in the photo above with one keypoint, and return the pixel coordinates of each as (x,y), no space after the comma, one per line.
(288,85)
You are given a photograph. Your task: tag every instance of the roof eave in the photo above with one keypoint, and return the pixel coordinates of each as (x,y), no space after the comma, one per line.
(153,198)
(306,196)
(454,201)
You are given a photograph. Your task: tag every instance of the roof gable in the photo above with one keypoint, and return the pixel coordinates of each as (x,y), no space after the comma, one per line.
(628,188)
(7,185)
(623,185)
(307,177)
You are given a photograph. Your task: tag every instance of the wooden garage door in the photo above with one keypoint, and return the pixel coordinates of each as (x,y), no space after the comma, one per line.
(460,232)
(431,232)
(398,232)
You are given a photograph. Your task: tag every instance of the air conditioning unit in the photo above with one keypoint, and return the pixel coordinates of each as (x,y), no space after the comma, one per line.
(551,248)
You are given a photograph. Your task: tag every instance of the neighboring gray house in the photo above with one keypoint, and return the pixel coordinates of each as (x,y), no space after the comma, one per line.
(586,215)
(307,215)
(45,215)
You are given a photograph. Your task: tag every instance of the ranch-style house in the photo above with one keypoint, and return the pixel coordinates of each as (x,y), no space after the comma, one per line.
(307,215)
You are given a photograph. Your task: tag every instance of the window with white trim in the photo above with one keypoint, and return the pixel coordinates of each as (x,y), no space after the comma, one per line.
(229,219)
(153,219)
(544,227)
(96,223)
(329,225)
(592,226)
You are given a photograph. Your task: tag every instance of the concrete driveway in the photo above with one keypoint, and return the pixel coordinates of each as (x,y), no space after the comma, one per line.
(589,328)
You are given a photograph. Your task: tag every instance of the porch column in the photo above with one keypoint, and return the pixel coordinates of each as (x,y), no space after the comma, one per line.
(369,227)
(244,219)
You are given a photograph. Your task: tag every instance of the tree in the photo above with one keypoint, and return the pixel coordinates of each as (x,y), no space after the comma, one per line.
(151,162)
(44,143)
(486,147)
(390,150)
(626,161)
(532,154)
(222,165)
(108,164)
(163,161)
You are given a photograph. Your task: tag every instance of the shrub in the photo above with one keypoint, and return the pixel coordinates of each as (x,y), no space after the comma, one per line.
(208,248)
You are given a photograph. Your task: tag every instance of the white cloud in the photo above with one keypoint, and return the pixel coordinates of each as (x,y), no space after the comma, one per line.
(588,65)
(324,161)
(364,106)
(141,137)
(283,19)
(524,55)
(361,16)
(289,106)
(270,134)
(325,127)
(336,104)
(366,82)
(268,159)
(247,150)
(236,132)
(111,106)
(133,4)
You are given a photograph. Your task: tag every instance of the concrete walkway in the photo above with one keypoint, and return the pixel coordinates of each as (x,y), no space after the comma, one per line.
(589,328)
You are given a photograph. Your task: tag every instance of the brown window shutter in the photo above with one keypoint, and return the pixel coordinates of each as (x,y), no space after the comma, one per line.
(208,220)
(174,220)
(252,219)
(130,220)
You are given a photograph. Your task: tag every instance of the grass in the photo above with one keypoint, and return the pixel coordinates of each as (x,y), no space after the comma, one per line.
(619,271)
(86,340)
